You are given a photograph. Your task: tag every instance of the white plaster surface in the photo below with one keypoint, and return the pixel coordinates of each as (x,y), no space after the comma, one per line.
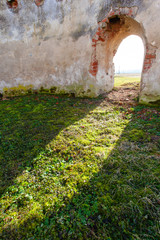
(51,45)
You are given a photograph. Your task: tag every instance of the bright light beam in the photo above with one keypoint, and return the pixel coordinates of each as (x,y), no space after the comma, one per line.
(130,55)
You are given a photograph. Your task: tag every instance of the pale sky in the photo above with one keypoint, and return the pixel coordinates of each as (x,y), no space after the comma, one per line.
(130,55)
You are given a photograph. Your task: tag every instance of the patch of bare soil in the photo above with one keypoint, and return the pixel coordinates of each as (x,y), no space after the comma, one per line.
(127,93)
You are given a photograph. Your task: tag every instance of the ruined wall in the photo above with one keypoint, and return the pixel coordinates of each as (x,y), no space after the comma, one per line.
(68,45)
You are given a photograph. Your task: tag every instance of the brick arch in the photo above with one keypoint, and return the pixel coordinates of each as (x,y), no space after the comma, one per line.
(118,25)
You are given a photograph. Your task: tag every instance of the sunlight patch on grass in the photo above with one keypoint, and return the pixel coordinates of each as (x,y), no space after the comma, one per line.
(125,80)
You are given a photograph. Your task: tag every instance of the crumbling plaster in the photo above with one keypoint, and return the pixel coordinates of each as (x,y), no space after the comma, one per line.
(52,45)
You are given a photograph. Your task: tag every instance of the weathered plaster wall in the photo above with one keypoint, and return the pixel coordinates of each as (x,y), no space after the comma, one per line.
(52,45)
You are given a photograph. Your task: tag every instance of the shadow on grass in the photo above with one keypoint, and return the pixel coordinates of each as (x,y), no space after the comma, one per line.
(119,201)
(28,124)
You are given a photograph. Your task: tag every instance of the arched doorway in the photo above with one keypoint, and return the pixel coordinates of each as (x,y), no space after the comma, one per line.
(118,25)
(128,62)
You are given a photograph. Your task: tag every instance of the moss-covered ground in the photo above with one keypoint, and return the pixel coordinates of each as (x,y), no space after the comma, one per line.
(74,168)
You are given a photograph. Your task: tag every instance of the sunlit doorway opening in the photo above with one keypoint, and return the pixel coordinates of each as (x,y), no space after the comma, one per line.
(128,61)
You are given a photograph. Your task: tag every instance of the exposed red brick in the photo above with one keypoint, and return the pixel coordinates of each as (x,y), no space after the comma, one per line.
(95,63)
(105,20)
(94,40)
(13,4)
(94,66)
(150,50)
(146,67)
(130,11)
(150,56)
(147,61)
(112,13)
(39,2)
(101,39)
(93,73)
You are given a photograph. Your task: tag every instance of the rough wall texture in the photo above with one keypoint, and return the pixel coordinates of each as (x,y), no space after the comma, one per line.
(68,45)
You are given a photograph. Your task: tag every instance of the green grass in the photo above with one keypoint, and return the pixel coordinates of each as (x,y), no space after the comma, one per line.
(123,80)
(74,168)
